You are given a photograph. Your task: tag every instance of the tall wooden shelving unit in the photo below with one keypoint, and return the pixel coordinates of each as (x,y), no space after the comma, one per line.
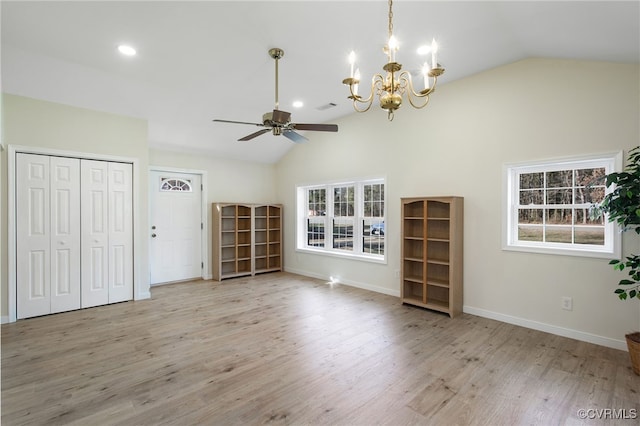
(247,239)
(268,238)
(432,241)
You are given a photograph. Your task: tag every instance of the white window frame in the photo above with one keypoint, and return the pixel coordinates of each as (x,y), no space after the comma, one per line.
(357,252)
(612,248)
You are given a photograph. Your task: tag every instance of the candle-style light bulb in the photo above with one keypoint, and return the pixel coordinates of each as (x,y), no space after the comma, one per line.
(352,61)
(434,54)
(393,46)
(425,73)
(357,77)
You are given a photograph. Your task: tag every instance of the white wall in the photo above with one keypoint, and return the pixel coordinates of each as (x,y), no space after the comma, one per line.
(35,123)
(531,109)
(227,181)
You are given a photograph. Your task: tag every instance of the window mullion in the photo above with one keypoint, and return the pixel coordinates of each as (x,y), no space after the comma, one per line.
(330,218)
(358,213)
(545,200)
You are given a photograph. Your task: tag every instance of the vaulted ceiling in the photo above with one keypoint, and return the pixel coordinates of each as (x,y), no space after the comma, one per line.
(202,60)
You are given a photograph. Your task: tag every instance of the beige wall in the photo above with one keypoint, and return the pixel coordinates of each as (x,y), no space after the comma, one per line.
(532,109)
(35,123)
(227,181)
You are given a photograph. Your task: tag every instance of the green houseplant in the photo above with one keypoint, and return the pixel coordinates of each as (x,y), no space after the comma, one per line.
(622,206)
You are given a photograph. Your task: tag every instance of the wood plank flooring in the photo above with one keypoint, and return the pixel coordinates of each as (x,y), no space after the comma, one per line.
(282,349)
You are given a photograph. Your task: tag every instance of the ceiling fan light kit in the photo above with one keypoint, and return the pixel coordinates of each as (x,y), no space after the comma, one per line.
(391,87)
(279,122)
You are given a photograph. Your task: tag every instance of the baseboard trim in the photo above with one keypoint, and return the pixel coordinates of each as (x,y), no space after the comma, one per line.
(350,283)
(4,319)
(548,328)
(143,295)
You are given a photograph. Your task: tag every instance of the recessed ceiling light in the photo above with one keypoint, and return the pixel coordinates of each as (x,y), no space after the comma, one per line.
(298,104)
(126,50)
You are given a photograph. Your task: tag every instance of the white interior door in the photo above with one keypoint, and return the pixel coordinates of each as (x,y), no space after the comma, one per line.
(48,243)
(175,237)
(120,232)
(95,233)
(33,244)
(65,234)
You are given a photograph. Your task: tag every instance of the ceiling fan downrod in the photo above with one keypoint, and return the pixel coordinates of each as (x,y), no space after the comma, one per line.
(276,54)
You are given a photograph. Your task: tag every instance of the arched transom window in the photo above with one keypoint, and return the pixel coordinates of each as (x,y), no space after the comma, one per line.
(175,184)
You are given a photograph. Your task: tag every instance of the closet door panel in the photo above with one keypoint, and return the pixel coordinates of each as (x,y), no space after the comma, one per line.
(65,234)
(33,235)
(95,233)
(120,232)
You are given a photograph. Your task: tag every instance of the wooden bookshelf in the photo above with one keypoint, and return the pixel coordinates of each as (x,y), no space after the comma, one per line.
(247,239)
(268,238)
(432,239)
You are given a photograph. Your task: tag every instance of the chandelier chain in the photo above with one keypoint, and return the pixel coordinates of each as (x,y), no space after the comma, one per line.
(390,18)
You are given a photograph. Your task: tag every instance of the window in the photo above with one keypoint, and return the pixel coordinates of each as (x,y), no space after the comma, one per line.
(344,219)
(548,205)
(175,184)
(317,210)
(373,222)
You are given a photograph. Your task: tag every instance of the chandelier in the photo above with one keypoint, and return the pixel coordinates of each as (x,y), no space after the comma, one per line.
(391,88)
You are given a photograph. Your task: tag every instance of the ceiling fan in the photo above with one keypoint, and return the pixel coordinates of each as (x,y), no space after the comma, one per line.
(279,122)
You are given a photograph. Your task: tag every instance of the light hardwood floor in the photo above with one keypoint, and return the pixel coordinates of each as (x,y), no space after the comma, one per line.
(285,349)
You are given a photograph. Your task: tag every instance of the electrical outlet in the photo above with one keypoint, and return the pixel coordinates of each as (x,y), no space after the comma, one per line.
(397,273)
(567,303)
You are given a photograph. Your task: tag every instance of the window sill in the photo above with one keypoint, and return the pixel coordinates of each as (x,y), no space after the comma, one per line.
(345,255)
(561,251)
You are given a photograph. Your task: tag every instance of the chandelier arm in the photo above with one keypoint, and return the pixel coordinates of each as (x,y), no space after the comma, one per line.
(358,98)
(406,78)
(376,80)
(416,106)
(355,106)
(412,95)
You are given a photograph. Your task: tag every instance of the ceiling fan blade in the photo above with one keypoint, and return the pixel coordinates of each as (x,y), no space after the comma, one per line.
(281,117)
(293,136)
(254,135)
(238,122)
(316,127)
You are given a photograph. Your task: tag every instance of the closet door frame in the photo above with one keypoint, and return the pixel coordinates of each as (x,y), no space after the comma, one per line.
(140,289)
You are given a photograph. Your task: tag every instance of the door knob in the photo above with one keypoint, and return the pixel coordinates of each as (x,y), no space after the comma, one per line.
(153,235)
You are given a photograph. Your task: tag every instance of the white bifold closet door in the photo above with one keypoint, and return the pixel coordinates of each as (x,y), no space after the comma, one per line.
(74,242)
(107,241)
(48,244)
